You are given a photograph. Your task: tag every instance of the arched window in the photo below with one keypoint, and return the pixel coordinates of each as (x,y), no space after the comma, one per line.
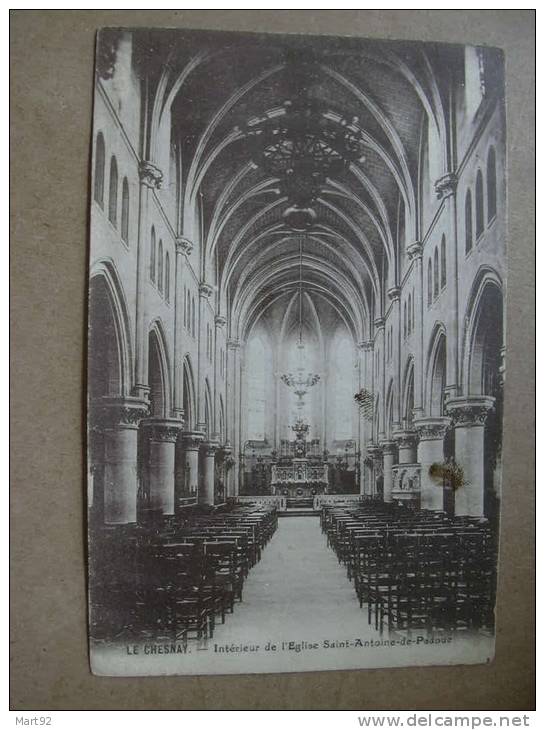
(167,277)
(257,370)
(100,159)
(469,222)
(193,316)
(491,184)
(479,205)
(443,262)
(112,197)
(435,273)
(125,211)
(160,267)
(429,283)
(152,255)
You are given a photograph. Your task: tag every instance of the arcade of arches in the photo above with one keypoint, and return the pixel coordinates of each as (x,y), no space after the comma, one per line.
(229,334)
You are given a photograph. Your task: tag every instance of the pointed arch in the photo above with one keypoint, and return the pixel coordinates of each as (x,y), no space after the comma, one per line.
(112,195)
(436,371)
(483,334)
(159,379)
(479,205)
(152,255)
(491,191)
(125,210)
(160,267)
(100,162)
(408,395)
(108,319)
(189,395)
(468,222)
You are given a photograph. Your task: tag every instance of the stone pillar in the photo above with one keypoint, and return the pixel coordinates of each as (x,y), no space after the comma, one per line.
(219,323)
(469,415)
(431,432)
(183,249)
(388,459)
(374,452)
(406,445)
(150,178)
(394,294)
(445,187)
(233,399)
(118,419)
(206,495)
(191,441)
(414,252)
(380,377)
(162,434)
(205,292)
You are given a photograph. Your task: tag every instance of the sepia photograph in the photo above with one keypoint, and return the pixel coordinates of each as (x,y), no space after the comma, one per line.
(296,342)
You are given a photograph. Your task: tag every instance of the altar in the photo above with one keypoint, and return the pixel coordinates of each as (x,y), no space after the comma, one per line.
(299,479)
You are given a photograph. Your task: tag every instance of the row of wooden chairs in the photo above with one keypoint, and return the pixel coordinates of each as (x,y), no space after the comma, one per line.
(173,582)
(416,569)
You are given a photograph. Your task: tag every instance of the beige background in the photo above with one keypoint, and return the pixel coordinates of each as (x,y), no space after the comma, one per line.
(51,105)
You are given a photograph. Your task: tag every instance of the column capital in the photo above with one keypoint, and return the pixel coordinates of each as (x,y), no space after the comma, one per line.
(205,290)
(210,447)
(432,429)
(110,412)
(374,451)
(150,174)
(162,429)
(388,447)
(233,344)
(394,293)
(446,185)
(366,345)
(414,251)
(379,323)
(470,410)
(220,320)
(183,245)
(192,440)
(405,439)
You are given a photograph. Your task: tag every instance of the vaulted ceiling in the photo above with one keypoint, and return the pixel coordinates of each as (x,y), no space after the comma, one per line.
(215,83)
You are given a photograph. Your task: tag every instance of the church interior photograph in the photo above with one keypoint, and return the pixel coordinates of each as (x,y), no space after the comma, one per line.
(296,344)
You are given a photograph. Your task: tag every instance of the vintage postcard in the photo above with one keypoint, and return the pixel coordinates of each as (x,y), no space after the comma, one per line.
(296,348)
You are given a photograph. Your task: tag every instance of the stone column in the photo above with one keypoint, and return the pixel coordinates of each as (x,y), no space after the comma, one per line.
(205,292)
(431,432)
(183,249)
(380,377)
(191,441)
(406,444)
(219,322)
(232,401)
(118,419)
(206,495)
(374,452)
(162,434)
(414,252)
(388,460)
(469,415)
(150,178)
(445,187)
(394,294)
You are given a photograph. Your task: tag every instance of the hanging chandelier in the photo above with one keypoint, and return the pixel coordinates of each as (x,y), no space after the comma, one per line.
(302,144)
(300,382)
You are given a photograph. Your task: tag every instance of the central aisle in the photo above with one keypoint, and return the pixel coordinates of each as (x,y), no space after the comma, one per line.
(298,587)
